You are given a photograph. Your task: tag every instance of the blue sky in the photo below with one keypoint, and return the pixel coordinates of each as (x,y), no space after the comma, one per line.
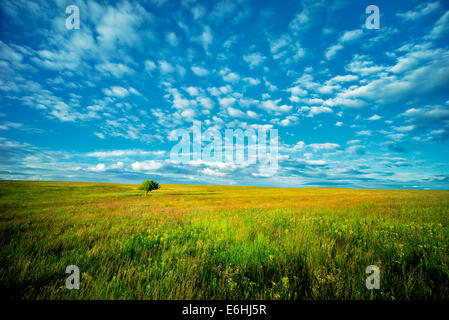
(354,107)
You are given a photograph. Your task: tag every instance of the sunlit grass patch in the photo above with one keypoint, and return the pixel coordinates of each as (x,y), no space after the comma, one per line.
(216,242)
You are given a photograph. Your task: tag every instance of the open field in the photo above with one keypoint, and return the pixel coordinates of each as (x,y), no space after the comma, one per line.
(215,242)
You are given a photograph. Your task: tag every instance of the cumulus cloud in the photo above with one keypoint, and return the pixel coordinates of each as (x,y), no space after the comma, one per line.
(116,69)
(214,173)
(419,12)
(433,120)
(206,38)
(165,67)
(349,36)
(119,25)
(229,76)
(374,117)
(120,92)
(148,165)
(315,110)
(346,37)
(441,27)
(200,71)
(98,168)
(345,78)
(300,20)
(273,105)
(198,11)
(233,112)
(172,39)
(254,59)
(150,65)
(332,51)
(117,153)
(364,133)
(324,146)
(226,101)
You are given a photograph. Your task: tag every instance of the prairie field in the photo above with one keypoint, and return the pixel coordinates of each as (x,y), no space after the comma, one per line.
(220,242)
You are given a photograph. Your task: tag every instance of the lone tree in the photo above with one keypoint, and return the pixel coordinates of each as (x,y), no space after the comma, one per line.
(149,185)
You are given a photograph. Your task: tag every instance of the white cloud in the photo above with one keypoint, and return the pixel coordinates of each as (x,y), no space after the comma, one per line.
(362,65)
(205,102)
(404,128)
(347,37)
(315,162)
(364,133)
(235,112)
(428,113)
(271,87)
(223,8)
(119,25)
(188,114)
(200,71)
(252,81)
(441,26)
(332,51)
(149,65)
(313,111)
(420,11)
(375,117)
(272,105)
(9,54)
(8,125)
(277,46)
(134,91)
(434,119)
(148,165)
(206,38)
(229,76)
(407,83)
(288,121)
(300,21)
(214,173)
(117,165)
(179,102)
(252,114)
(192,91)
(254,59)
(198,11)
(159,3)
(299,145)
(172,39)
(165,67)
(297,91)
(345,78)
(226,102)
(99,135)
(356,149)
(350,36)
(181,70)
(116,69)
(327,146)
(116,91)
(117,153)
(98,168)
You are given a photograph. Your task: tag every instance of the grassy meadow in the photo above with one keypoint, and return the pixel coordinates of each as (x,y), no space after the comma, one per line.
(217,242)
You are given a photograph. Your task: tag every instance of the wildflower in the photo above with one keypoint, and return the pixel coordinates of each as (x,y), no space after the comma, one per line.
(284,282)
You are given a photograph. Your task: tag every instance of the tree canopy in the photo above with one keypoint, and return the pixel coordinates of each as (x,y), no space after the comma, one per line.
(149,185)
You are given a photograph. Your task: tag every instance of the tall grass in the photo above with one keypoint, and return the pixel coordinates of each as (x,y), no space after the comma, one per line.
(214,242)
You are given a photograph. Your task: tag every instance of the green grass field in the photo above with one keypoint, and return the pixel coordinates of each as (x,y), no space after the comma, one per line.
(215,242)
